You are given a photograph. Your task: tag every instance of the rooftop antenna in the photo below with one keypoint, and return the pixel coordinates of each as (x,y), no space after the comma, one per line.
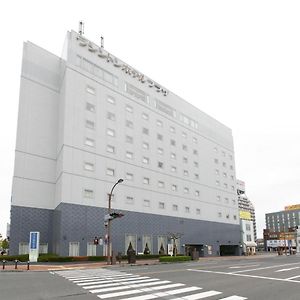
(102,42)
(81,28)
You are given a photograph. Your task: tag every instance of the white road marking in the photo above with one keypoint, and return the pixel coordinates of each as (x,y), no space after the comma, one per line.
(243,266)
(289,269)
(105,279)
(163,287)
(264,268)
(202,295)
(144,297)
(125,293)
(244,275)
(179,291)
(128,286)
(234,298)
(294,277)
(118,283)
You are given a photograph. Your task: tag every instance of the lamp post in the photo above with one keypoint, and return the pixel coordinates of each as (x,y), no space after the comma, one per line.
(109,220)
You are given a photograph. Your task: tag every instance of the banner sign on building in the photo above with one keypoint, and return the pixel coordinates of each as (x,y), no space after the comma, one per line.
(245,215)
(292,207)
(34,243)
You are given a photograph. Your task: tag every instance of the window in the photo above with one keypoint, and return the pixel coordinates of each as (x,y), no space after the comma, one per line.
(187,210)
(195,152)
(160,164)
(224,164)
(197,193)
(185,172)
(129,124)
(160,151)
(129,200)
(129,108)
(186,190)
(89,166)
(234,217)
(248,227)
(145,116)
(184,147)
(174,187)
(159,123)
(146,180)
(173,155)
(145,146)
(90,124)
(89,142)
(217,172)
(90,107)
(224,153)
(161,205)
(219,214)
(227,216)
(219,198)
(110,132)
(216,161)
(129,176)
(172,129)
(160,137)
(230,156)
(145,160)
(198,211)
(173,142)
(185,159)
(129,155)
(231,177)
(248,237)
(110,172)
(175,207)
(196,176)
(196,165)
(173,169)
(232,188)
(145,131)
(224,174)
(88,193)
(225,185)
(90,90)
(216,149)
(184,135)
(161,184)
(226,200)
(110,149)
(146,203)
(111,100)
(195,141)
(111,116)
(231,167)
(217,182)
(129,139)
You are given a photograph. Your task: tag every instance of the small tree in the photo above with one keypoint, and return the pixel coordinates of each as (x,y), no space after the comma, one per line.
(5,244)
(174,237)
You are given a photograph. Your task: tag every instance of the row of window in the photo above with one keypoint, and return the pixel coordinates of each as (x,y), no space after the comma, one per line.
(111,116)
(88,193)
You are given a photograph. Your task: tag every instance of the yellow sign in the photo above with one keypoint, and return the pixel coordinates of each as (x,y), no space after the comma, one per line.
(245,215)
(292,207)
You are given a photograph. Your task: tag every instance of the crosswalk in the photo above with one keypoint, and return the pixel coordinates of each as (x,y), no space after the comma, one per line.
(110,284)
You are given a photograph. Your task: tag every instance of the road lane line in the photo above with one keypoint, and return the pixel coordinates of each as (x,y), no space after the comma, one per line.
(244,275)
(202,295)
(289,269)
(290,278)
(234,298)
(243,266)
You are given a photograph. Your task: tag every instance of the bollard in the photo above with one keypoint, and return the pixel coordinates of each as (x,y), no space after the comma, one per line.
(16,264)
(28,265)
(3,264)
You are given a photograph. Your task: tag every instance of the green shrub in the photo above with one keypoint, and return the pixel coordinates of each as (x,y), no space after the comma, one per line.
(23,257)
(60,259)
(96,258)
(147,256)
(174,258)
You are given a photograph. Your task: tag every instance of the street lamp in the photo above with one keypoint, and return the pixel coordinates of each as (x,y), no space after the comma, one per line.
(109,220)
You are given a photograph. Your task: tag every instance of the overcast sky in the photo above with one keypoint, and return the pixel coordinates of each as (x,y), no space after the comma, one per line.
(238,61)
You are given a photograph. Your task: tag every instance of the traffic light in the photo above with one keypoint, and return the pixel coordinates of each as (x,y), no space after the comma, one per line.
(115,215)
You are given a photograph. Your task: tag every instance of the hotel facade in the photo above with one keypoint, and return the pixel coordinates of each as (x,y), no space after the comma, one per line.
(87,119)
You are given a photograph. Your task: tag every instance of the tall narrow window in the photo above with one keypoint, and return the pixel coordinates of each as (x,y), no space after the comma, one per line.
(89,142)
(110,132)
(110,149)
(90,124)
(90,107)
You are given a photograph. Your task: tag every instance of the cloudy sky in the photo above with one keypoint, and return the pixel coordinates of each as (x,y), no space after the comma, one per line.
(238,61)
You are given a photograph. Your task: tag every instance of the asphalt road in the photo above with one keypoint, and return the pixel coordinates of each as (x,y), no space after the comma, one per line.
(276,277)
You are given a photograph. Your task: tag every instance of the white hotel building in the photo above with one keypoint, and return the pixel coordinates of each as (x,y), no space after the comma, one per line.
(87,119)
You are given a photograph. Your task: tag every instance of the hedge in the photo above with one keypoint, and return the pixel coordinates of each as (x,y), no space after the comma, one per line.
(174,258)
(23,257)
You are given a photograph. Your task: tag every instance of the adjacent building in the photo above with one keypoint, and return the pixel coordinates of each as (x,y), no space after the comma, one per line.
(88,119)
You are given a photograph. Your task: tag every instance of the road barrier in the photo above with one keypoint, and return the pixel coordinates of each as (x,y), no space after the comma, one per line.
(15,262)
